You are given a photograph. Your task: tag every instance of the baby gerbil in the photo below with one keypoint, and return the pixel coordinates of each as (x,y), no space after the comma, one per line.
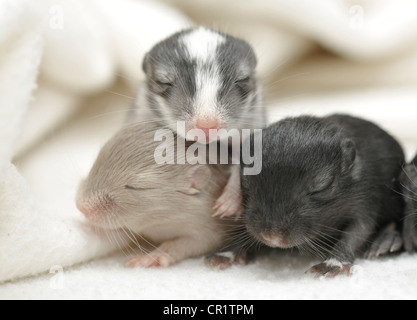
(168,205)
(204,78)
(207,80)
(327,186)
(409,184)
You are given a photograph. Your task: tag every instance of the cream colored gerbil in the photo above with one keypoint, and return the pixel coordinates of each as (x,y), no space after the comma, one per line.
(168,205)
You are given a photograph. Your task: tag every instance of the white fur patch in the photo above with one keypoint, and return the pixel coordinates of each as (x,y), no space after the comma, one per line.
(202,43)
(202,46)
(206,95)
(334,263)
(229,254)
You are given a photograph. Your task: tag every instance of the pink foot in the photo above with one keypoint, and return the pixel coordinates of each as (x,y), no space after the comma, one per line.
(229,204)
(151,260)
(331,269)
(225,260)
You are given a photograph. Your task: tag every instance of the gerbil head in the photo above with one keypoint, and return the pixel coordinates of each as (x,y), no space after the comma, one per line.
(203,78)
(127,189)
(307,167)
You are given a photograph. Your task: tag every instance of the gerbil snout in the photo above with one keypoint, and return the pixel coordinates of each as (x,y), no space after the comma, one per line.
(95,209)
(207,123)
(276,240)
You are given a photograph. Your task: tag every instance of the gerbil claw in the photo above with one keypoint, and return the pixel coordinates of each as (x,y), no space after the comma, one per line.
(330,269)
(387,242)
(149,261)
(218,262)
(223,261)
(229,204)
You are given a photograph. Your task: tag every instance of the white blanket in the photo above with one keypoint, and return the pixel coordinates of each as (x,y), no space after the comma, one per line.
(84,46)
(69,71)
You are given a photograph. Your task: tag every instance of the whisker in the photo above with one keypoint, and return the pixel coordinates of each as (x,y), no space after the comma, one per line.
(121,95)
(133,239)
(408,176)
(113,236)
(404,195)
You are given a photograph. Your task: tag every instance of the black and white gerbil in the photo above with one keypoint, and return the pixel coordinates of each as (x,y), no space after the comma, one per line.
(207,80)
(409,184)
(204,78)
(328,186)
(169,206)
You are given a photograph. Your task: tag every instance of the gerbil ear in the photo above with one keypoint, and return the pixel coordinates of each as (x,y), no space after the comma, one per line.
(349,154)
(195,180)
(146,64)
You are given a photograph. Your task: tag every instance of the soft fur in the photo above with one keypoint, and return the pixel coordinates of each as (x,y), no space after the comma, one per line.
(409,187)
(368,74)
(327,186)
(79,57)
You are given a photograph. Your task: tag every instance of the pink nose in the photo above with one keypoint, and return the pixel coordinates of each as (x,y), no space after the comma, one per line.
(93,210)
(276,240)
(207,123)
(87,210)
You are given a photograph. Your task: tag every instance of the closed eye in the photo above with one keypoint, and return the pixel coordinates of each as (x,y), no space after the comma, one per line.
(322,185)
(243,85)
(164,84)
(243,80)
(315,193)
(163,88)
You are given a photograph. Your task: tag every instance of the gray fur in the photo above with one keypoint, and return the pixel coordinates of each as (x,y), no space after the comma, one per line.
(328,186)
(171,78)
(409,186)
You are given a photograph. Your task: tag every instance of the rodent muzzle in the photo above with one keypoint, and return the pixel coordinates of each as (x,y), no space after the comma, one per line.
(95,208)
(205,124)
(275,240)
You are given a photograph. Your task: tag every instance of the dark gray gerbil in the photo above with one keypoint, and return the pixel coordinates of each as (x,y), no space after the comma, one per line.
(168,205)
(328,186)
(409,184)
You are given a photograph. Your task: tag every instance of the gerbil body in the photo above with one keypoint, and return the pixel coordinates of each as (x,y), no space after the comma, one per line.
(328,186)
(168,205)
(409,184)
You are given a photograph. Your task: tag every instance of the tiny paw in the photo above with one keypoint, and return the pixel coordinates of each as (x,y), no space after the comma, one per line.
(225,260)
(151,260)
(331,268)
(229,204)
(387,242)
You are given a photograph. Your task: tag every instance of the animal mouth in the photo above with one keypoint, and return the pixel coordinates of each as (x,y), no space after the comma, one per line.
(207,126)
(100,213)
(207,135)
(276,240)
